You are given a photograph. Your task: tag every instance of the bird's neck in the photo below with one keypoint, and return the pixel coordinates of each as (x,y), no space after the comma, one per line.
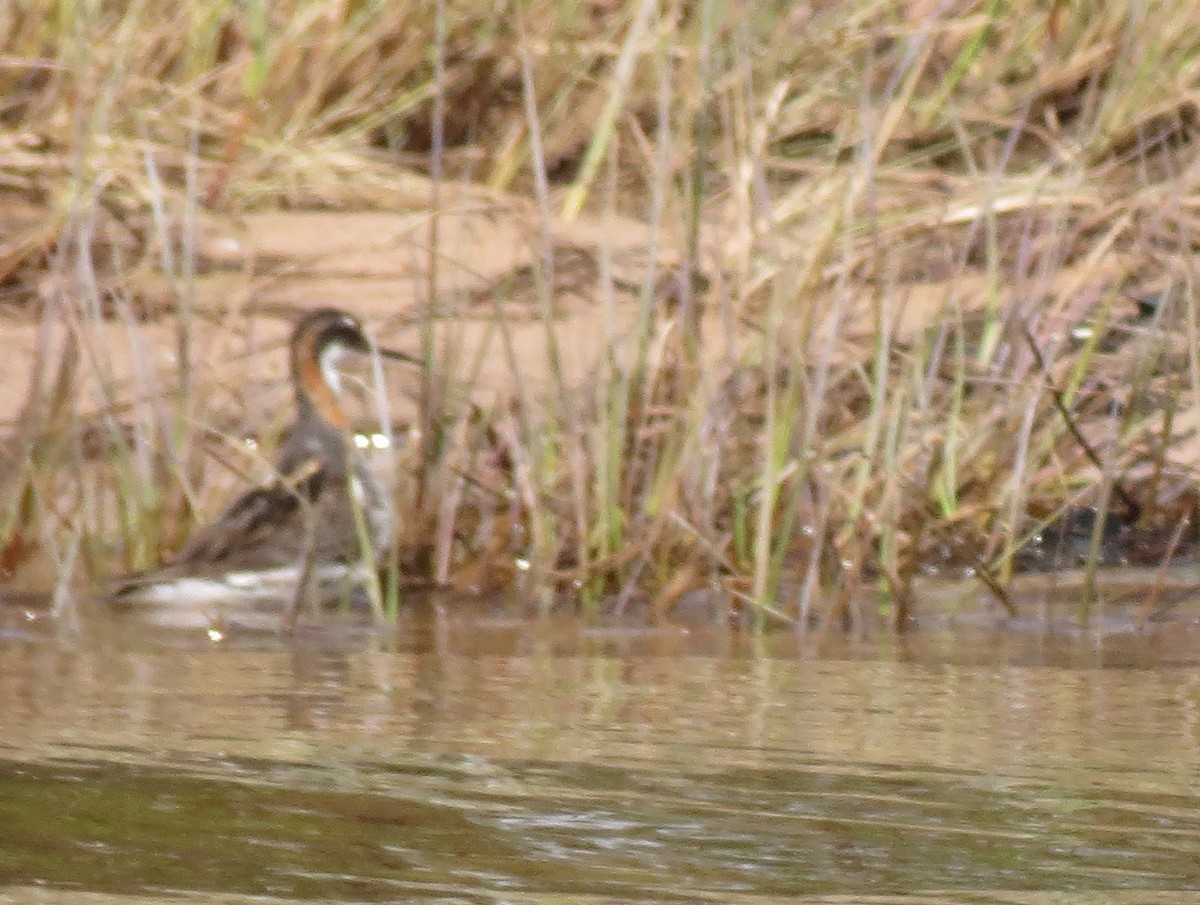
(314,394)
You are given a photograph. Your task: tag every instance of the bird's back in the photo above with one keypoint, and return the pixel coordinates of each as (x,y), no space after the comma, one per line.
(305,513)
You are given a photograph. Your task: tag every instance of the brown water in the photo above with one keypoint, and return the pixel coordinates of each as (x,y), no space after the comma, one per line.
(468,759)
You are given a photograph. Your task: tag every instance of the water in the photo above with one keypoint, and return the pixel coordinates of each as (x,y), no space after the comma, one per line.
(467,759)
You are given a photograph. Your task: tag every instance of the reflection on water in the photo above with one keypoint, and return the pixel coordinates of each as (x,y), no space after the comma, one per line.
(468,759)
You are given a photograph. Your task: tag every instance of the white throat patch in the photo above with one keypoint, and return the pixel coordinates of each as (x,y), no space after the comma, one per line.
(330,360)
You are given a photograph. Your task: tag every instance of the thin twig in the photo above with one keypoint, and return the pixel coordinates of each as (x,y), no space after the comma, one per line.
(1069,420)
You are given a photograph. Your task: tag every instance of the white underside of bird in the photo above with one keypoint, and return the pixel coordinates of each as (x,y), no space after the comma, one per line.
(240,597)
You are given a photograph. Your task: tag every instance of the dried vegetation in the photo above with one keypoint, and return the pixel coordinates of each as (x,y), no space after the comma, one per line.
(914,279)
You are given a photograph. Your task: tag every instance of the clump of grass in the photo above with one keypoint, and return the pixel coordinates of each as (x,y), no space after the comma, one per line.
(857,349)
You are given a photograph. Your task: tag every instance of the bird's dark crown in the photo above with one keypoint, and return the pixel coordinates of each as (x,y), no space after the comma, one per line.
(324,327)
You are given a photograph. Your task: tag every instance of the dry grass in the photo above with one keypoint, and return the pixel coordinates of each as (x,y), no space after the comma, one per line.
(921,228)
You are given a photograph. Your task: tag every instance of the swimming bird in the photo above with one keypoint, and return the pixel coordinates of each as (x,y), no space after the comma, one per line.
(312,532)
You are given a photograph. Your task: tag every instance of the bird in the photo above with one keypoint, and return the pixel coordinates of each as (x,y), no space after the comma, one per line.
(312,532)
